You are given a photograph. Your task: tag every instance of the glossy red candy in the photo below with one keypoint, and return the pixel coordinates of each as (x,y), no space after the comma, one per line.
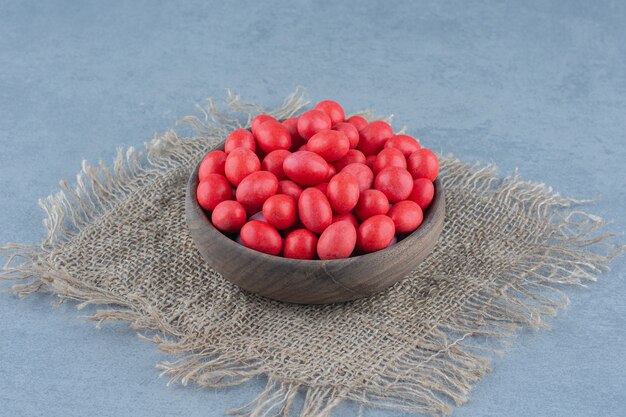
(346,217)
(406,216)
(373,137)
(388,158)
(323,187)
(296,139)
(311,122)
(228,216)
(279,210)
(404,143)
(240,138)
(314,210)
(329,144)
(337,241)
(300,244)
(289,188)
(262,118)
(213,163)
(395,182)
(358,122)
(273,162)
(343,192)
(423,163)
(256,188)
(240,163)
(422,193)
(271,135)
(371,203)
(353,156)
(375,233)
(262,237)
(333,110)
(362,173)
(306,168)
(350,131)
(213,190)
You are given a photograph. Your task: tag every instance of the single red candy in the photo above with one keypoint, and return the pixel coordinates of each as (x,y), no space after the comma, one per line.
(240,138)
(373,137)
(353,156)
(350,131)
(388,157)
(423,163)
(406,216)
(337,241)
(271,135)
(422,193)
(404,143)
(261,237)
(273,162)
(311,122)
(333,110)
(323,187)
(314,210)
(306,168)
(296,140)
(343,192)
(279,210)
(229,216)
(289,188)
(358,122)
(240,163)
(375,233)
(362,173)
(300,244)
(256,188)
(260,119)
(371,203)
(213,190)
(213,163)
(329,144)
(346,217)
(395,182)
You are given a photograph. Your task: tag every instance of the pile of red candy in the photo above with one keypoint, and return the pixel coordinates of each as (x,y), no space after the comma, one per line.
(317,186)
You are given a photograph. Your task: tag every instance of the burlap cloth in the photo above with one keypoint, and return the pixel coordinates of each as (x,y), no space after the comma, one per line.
(118,238)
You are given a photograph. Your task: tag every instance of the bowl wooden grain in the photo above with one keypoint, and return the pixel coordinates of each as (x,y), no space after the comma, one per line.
(316,281)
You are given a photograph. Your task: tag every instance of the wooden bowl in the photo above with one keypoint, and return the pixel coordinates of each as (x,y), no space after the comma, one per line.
(317,281)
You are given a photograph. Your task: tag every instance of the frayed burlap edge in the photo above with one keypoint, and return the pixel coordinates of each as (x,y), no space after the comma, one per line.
(428,379)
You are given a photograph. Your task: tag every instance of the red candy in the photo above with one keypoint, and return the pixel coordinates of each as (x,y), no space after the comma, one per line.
(375,233)
(314,210)
(422,193)
(346,217)
(280,211)
(256,188)
(272,135)
(229,216)
(292,128)
(240,138)
(337,241)
(388,158)
(332,171)
(423,163)
(343,192)
(353,156)
(289,188)
(213,190)
(358,122)
(362,173)
(213,163)
(323,187)
(371,203)
(300,244)
(311,122)
(273,162)
(373,137)
(332,109)
(395,182)
(406,216)
(404,143)
(240,163)
(350,131)
(261,237)
(306,168)
(329,144)
(260,119)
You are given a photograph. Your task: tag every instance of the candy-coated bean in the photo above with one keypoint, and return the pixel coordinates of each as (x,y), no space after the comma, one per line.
(323,187)
(314,210)
(371,203)
(358,122)
(395,182)
(289,188)
(240,138)
(333,110)
(271,135)
(296,139)
(337,241)
(329,144)
(213,190)
(300,244)
(373,137)
(353,156)
(406,216)
(422,193)
(273,162)
(240,163)
(306,168)
(350,131)
(213,163)
(388,158)
(375,233)
(228,216)
(262,237)
(311,122)
(343,217)
(423,163)
(343,192)
(331,172)
(280,211)
(404,143)
(362,173)
(256,188)
(260,119)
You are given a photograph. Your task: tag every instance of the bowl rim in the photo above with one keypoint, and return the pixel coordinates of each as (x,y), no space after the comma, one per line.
(412,238)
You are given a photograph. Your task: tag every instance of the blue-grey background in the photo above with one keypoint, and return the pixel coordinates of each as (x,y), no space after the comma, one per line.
(536,85)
